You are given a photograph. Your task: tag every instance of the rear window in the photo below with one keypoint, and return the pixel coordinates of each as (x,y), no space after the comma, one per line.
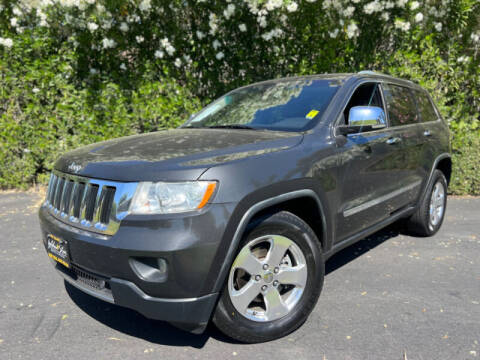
(401,106)
(425,107)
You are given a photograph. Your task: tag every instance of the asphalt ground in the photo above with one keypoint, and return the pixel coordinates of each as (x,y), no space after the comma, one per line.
(390,296)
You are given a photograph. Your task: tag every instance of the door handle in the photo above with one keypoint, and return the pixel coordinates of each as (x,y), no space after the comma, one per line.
(427,133)
(393,140)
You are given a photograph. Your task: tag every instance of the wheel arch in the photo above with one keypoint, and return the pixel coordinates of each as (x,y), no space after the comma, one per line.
(443,162)
(289,201)
(445,166)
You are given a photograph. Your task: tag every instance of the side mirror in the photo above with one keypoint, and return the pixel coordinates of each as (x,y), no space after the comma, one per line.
(364,118)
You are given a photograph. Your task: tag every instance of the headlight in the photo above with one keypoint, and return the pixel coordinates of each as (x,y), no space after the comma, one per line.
(168,198)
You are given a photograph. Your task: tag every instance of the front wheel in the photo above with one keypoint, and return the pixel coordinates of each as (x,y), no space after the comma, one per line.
(274,281)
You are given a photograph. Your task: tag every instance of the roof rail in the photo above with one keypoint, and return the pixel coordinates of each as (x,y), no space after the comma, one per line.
(369,72)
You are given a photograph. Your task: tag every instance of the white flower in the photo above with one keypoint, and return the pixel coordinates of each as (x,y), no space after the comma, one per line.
(438,26)
(216,44)
(419,17)
(262,21)
(389,5)
(200,35)
(348,11)
(273,4)
(333,34)
(242,27)
(228,12)
(385,16)
(6,42)
(145,5)
(123,27)
(35,90)
(108,43)
(414,5)
(107,24)
(463,59)
(93,71)
(475,37)
(402,25)
(16,11)
(220,55)
(92,26)
(213,23)
(401,3)
(140,39)
(372,7)
(159,54)
(123,66)
(178,62)
(292,7)
(170,49)
(352,30)
(14,21)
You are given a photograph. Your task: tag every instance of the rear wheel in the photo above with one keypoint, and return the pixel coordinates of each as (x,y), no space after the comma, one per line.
(428,218)
(274,281)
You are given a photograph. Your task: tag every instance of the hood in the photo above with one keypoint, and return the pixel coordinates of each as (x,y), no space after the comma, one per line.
(171,155)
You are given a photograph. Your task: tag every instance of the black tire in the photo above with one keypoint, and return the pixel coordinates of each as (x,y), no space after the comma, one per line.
(235,325)
(420,223)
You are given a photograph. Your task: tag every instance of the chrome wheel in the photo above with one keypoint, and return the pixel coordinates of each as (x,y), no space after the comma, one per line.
(437,205)
(267,278)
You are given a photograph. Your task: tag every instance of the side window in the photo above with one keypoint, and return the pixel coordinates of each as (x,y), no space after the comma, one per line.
(401,106)
(425,107)
(365,95)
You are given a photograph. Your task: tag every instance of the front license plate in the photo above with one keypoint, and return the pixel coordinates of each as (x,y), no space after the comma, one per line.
(57,249)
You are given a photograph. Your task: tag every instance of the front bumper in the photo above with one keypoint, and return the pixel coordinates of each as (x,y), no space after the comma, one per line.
(190,314)
(188,245)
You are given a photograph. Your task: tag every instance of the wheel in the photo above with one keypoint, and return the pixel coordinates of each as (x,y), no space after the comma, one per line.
(274,282)
(428,218)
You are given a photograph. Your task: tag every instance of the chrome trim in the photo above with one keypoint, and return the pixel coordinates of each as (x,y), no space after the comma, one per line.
(370,203)
(99,295)
(55,202)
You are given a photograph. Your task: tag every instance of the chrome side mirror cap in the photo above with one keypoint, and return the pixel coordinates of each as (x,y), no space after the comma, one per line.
(366,115)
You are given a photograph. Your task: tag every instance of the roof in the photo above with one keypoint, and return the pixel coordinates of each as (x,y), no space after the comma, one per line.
(342,76)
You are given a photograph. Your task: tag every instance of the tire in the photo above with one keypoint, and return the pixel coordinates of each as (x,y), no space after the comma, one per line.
(266,318)
(422,222)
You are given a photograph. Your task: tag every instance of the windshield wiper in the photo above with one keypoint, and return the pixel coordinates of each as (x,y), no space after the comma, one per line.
(232,126)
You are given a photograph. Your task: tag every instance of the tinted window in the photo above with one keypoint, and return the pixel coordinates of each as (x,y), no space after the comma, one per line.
(425,107)
(401,106)
(365,95)
(293,105)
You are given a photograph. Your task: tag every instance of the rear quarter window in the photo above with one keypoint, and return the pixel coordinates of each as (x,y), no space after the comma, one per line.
(401,106)
(425,107)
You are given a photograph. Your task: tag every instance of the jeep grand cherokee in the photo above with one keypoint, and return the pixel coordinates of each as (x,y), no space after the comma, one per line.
(232,216)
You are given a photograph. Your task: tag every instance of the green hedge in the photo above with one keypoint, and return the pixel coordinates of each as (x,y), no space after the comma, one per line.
(43,114)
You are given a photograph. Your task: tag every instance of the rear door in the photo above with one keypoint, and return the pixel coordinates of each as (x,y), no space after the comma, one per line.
(432,131)
(406,142)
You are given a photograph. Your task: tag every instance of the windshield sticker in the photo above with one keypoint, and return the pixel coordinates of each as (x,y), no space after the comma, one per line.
(312,114)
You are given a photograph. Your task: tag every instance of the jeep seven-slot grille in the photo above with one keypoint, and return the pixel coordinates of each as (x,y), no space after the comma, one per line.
(76,201)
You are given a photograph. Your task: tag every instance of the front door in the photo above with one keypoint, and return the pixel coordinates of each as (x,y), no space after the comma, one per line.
(364,169)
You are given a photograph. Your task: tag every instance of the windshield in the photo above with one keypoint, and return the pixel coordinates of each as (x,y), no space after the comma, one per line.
(293,105)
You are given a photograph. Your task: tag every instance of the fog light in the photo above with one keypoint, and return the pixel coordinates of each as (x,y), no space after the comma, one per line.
(150,269)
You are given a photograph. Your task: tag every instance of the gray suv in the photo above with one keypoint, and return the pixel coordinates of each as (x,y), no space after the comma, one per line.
(232,216)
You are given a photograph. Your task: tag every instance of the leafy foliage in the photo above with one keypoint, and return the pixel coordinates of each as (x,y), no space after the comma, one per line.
(78,71)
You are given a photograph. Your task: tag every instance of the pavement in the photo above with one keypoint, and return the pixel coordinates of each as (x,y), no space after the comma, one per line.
(390,296)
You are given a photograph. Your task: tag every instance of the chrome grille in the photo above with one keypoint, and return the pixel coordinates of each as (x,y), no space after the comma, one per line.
(90,204)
